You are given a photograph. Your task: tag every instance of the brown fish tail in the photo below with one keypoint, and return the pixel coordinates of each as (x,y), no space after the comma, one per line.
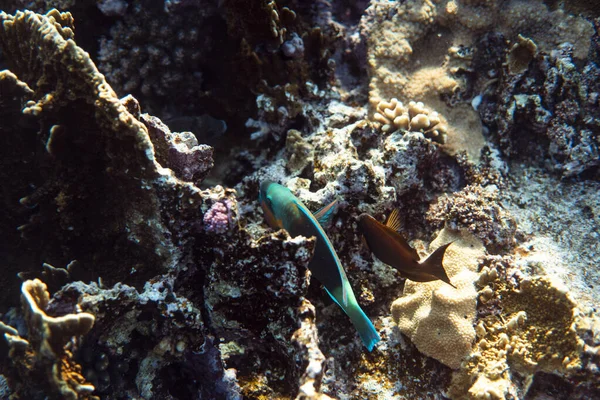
(434,265)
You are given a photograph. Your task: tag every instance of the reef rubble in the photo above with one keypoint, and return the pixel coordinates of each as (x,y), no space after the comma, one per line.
(134,137)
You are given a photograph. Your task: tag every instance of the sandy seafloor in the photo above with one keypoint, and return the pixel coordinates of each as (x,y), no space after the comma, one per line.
(136,261)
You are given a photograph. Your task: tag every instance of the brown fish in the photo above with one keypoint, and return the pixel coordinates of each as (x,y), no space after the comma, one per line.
(390,247)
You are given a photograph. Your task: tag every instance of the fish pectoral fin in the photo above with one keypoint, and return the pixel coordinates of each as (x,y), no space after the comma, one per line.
(363,241)
(325,214)
(393,220)
(434,264)
(344,299)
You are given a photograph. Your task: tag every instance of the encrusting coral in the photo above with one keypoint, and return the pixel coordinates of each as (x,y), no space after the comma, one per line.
(44,362)
(529,325)
(436,317)
(477,210)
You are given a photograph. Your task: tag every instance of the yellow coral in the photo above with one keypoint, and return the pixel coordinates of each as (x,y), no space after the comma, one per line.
(537,332)
(46,354)
(436,317)
(415,117)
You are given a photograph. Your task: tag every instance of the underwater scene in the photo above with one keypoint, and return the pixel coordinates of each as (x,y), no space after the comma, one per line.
(299,199)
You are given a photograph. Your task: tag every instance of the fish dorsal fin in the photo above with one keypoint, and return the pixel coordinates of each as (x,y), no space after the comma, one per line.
(325,214)
(393,220)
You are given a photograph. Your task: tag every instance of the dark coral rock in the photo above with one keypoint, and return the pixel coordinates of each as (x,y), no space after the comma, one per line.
(179,151)
(19,145)
(477,210)
(252,289)
(548,112)
(144,342)
(489,54)
(160,56)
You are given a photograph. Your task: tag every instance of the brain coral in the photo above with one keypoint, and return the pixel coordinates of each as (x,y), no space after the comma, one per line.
(436,317)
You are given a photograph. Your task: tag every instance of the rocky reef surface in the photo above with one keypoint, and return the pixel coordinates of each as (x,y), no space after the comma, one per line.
(135,134)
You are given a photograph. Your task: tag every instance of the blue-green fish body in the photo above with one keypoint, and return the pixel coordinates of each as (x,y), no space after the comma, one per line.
(284,211)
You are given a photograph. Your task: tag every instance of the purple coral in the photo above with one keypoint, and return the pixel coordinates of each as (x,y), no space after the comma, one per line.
(218,217)
(179,151)
(293,48)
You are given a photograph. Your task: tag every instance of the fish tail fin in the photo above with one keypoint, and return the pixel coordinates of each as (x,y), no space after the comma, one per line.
(434,265)
(359,319)
(363,325)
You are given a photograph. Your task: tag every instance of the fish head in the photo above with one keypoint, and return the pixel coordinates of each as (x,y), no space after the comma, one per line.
(365,221)
(271,197)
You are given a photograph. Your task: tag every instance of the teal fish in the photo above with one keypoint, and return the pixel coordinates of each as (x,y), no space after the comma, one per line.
(284,211)
(390,247)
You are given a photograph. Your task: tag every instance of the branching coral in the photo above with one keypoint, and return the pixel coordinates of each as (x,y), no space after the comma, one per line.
(415,117)
(43,363)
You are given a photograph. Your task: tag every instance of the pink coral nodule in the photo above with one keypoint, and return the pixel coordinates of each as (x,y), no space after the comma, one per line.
(218,218)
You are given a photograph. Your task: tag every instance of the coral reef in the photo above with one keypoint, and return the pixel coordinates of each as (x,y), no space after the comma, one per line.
(145,342)
(171,68)
(392,60)
(490,140)
(128,225)
(553,102)
(252,291)
(560,222)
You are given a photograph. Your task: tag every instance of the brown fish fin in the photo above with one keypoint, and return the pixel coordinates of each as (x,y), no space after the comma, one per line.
(365,244)
(393,220)
(434,265)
